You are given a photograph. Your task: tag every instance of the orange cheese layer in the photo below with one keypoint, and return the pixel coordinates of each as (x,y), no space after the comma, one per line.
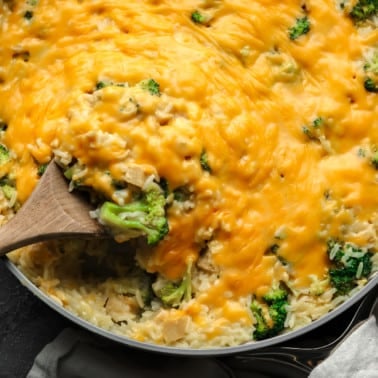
(237,88)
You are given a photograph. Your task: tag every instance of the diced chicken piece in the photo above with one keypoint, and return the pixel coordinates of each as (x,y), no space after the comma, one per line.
(138,174)
(119,306)
(135,176)
(175,329)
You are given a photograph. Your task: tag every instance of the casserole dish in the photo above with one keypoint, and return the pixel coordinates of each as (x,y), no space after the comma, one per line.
(249,347)
(236,168)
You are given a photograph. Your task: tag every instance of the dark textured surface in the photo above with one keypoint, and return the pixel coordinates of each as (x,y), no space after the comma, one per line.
(27,325)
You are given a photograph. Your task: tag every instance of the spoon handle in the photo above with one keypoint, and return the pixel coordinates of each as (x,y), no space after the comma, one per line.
(51,212)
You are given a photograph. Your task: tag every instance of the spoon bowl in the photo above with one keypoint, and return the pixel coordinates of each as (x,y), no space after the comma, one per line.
(51,212)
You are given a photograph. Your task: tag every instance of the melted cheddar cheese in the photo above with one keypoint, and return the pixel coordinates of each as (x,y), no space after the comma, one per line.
(236,87)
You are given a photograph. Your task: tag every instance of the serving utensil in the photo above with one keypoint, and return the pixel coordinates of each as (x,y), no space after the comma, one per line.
(51,212)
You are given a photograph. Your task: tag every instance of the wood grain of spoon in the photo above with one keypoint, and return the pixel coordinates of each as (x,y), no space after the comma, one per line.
(51,212)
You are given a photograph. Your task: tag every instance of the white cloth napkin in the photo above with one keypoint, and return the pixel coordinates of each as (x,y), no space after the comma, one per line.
(79,354)
(355,357)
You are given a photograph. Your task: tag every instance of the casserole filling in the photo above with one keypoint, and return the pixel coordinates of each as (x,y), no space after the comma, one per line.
(231,148)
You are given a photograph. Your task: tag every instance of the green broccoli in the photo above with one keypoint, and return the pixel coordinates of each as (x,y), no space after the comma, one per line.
(172,294)
(204,161)
(8,188)
(371,73)
(101,85)
(8,191)
(301,27)
(275,295)
(371,65)
(151,86)
(315,130)
(4,154)
(370,85)
(41,169)
(198,18)
(28,15)
(69,174)
(349,263)
(144,216)
(363,10)
(317,122)
(371,154)
(272,321)
(374,160)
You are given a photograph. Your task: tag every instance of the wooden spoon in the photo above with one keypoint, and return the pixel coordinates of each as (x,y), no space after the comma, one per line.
(51,212)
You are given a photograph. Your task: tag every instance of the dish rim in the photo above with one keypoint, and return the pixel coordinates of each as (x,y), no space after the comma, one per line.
(180,351)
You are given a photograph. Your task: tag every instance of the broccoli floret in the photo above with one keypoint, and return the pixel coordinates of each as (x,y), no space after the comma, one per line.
(198,18)
(315,130)
(8,191)
(4,154)
(374,160)
(104,84)
(143,217)
(363,10)
(285,68)
(204,161)
(151,86)
(370,154)
(371,64)
(69,174)
(317,122)
(28,15)
(349,263)
(101,85)
(271,322)
(301,27)
(172,294)
(8,188)
(371,73)
(370,85)
(306,131)
(275,296)
(41,169)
